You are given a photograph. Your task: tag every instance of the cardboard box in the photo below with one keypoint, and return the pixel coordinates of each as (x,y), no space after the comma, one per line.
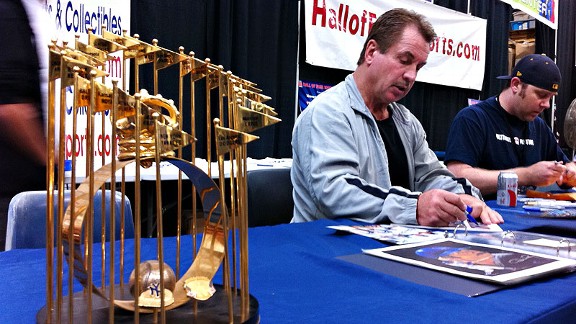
(511,55)
(523,48)
(520,15)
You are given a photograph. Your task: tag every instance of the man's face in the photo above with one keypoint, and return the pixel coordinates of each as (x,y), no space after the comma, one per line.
(531,101)
(393,73)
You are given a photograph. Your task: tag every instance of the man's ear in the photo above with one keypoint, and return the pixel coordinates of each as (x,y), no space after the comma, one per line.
(515,84)
(371,48)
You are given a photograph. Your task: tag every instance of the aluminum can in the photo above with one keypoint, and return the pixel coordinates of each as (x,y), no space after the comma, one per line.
(507,189)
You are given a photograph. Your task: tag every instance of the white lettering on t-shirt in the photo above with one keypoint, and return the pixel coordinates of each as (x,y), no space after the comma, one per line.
(502,137)
(517,141)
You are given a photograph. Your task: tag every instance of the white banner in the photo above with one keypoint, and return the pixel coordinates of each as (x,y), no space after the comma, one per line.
(76,17)
(337,29)
(545,11)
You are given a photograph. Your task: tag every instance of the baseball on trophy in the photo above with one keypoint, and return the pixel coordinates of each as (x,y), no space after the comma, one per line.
(149,275)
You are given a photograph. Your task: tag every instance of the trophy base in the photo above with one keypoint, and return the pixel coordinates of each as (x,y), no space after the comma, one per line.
(213,310)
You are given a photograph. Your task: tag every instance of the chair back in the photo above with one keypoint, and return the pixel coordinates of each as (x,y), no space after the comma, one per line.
(26,227)
(269,197)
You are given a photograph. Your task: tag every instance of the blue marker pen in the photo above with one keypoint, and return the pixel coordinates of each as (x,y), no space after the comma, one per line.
(469,216)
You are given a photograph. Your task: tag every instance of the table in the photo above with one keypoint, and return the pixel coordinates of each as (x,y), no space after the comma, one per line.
(515,218)
(170,172)
(297,277)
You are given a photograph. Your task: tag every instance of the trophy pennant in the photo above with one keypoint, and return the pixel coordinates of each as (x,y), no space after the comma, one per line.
(225,80)
(165,58)
(261,107)
(93,52)
(170,138)
(72,58)
(140,50)
(255,96)
(84,70)
(145,51)
(103,96)
(104,44)
(199,69)
(186,66)
(126,104)
(84,58)
(228,139)
(83,88)
(249,120)
(132,46)
(54,65)
(213,76)
(246,85)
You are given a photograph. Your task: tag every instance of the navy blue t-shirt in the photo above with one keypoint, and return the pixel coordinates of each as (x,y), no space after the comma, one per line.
(486,136)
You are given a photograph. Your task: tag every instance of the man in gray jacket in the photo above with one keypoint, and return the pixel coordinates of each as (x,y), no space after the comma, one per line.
(359,154)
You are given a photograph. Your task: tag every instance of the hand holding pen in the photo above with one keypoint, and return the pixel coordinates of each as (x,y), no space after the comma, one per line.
(469,216)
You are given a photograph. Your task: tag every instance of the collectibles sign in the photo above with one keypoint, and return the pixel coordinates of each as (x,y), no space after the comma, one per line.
(545,11)
(75,18)
(337,29)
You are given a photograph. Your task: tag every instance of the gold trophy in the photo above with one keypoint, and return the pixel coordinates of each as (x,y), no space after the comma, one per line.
(148,131)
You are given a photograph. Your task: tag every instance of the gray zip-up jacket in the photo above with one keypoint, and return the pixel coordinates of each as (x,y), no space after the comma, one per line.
(340,165)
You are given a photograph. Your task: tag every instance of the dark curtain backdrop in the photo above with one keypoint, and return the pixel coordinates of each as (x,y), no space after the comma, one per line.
(255,39)
(436,105)
(258,40)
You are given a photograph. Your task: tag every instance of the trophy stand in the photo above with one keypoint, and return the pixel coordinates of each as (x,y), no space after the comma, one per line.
(209,312)
(146,131)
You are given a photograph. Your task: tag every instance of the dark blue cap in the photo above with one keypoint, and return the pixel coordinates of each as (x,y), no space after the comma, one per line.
(537,70)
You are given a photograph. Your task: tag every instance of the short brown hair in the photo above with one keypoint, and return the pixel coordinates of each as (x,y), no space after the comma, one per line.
(388,29)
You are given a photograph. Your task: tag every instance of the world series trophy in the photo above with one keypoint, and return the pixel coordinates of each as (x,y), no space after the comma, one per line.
(148,131)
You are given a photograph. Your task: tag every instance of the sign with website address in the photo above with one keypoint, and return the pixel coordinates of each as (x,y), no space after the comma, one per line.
(337,29)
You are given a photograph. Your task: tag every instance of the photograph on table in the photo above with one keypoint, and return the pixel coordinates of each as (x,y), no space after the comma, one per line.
(478,261)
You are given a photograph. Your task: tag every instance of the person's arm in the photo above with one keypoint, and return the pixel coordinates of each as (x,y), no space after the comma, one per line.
(485,180)
(22,129)
(543,173)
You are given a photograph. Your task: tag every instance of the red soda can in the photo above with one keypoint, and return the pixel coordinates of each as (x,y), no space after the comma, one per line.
(507,189)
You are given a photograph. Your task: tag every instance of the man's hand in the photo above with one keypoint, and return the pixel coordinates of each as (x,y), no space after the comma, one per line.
(440,208)
(543,173)
(480,210)
(568,178)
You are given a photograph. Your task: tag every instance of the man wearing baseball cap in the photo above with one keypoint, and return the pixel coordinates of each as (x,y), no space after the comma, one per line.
(505,133)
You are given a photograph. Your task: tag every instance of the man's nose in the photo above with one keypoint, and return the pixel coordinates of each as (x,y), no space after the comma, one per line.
(410,74)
